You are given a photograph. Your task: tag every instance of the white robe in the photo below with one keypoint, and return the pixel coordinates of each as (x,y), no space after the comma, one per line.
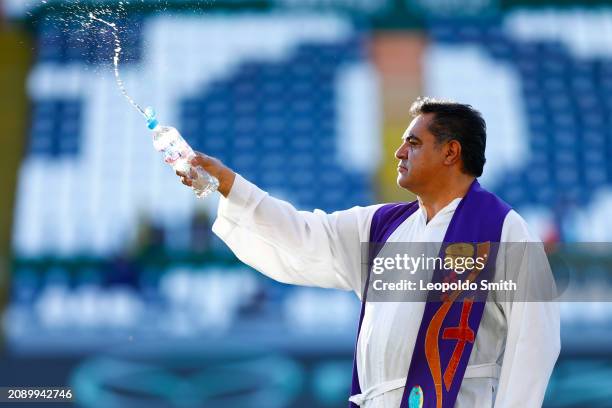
(517,343)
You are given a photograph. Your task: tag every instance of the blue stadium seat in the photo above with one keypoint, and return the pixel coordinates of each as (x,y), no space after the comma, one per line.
(283,113)
(66,40)
(55,130)
(568,101)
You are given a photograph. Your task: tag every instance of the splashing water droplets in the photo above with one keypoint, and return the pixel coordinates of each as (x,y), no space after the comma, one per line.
(116,59)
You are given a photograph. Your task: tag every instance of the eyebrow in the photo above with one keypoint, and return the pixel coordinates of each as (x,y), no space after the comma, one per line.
(410,136)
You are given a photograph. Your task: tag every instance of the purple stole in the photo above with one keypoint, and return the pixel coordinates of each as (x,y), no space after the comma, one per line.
(450,321)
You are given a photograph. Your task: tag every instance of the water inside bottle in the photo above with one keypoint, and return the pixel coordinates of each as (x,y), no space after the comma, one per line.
(176,152)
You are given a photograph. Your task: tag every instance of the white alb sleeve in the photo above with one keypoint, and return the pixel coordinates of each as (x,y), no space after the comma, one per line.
(291,246)
(533,337)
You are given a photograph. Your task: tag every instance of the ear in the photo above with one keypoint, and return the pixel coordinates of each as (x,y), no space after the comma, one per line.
(452,153)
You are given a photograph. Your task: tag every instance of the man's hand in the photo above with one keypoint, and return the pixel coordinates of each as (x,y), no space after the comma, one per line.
(215,168)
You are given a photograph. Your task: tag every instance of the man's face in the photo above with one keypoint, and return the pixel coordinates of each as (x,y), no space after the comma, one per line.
(421,158)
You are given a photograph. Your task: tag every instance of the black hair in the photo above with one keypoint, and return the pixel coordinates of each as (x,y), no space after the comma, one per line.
(460,122)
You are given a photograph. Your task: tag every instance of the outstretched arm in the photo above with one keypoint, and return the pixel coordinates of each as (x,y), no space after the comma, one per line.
(291,246)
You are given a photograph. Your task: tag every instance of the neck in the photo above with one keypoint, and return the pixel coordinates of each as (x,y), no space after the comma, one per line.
(443,192)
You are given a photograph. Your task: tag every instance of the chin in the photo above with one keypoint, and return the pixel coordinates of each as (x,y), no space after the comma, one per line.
(403,182)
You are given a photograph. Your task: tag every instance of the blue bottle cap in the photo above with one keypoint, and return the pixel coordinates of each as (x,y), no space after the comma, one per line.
(151,119)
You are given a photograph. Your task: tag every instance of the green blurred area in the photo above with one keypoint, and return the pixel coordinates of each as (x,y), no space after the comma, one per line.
(16,52)
(379,14)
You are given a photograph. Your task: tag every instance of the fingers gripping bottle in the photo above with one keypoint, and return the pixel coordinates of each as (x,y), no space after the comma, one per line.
(178,154)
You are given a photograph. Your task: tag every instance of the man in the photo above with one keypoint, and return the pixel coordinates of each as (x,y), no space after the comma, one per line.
(397,361)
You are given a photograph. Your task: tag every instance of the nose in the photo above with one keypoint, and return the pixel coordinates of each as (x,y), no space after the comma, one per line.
(402,152)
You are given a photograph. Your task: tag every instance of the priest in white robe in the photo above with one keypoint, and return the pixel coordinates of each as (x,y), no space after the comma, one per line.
(440,156)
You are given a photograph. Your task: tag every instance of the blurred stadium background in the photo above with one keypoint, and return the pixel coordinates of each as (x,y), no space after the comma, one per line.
(111,280)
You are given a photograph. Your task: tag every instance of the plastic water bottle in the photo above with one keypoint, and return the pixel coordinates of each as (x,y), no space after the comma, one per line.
(178,154)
